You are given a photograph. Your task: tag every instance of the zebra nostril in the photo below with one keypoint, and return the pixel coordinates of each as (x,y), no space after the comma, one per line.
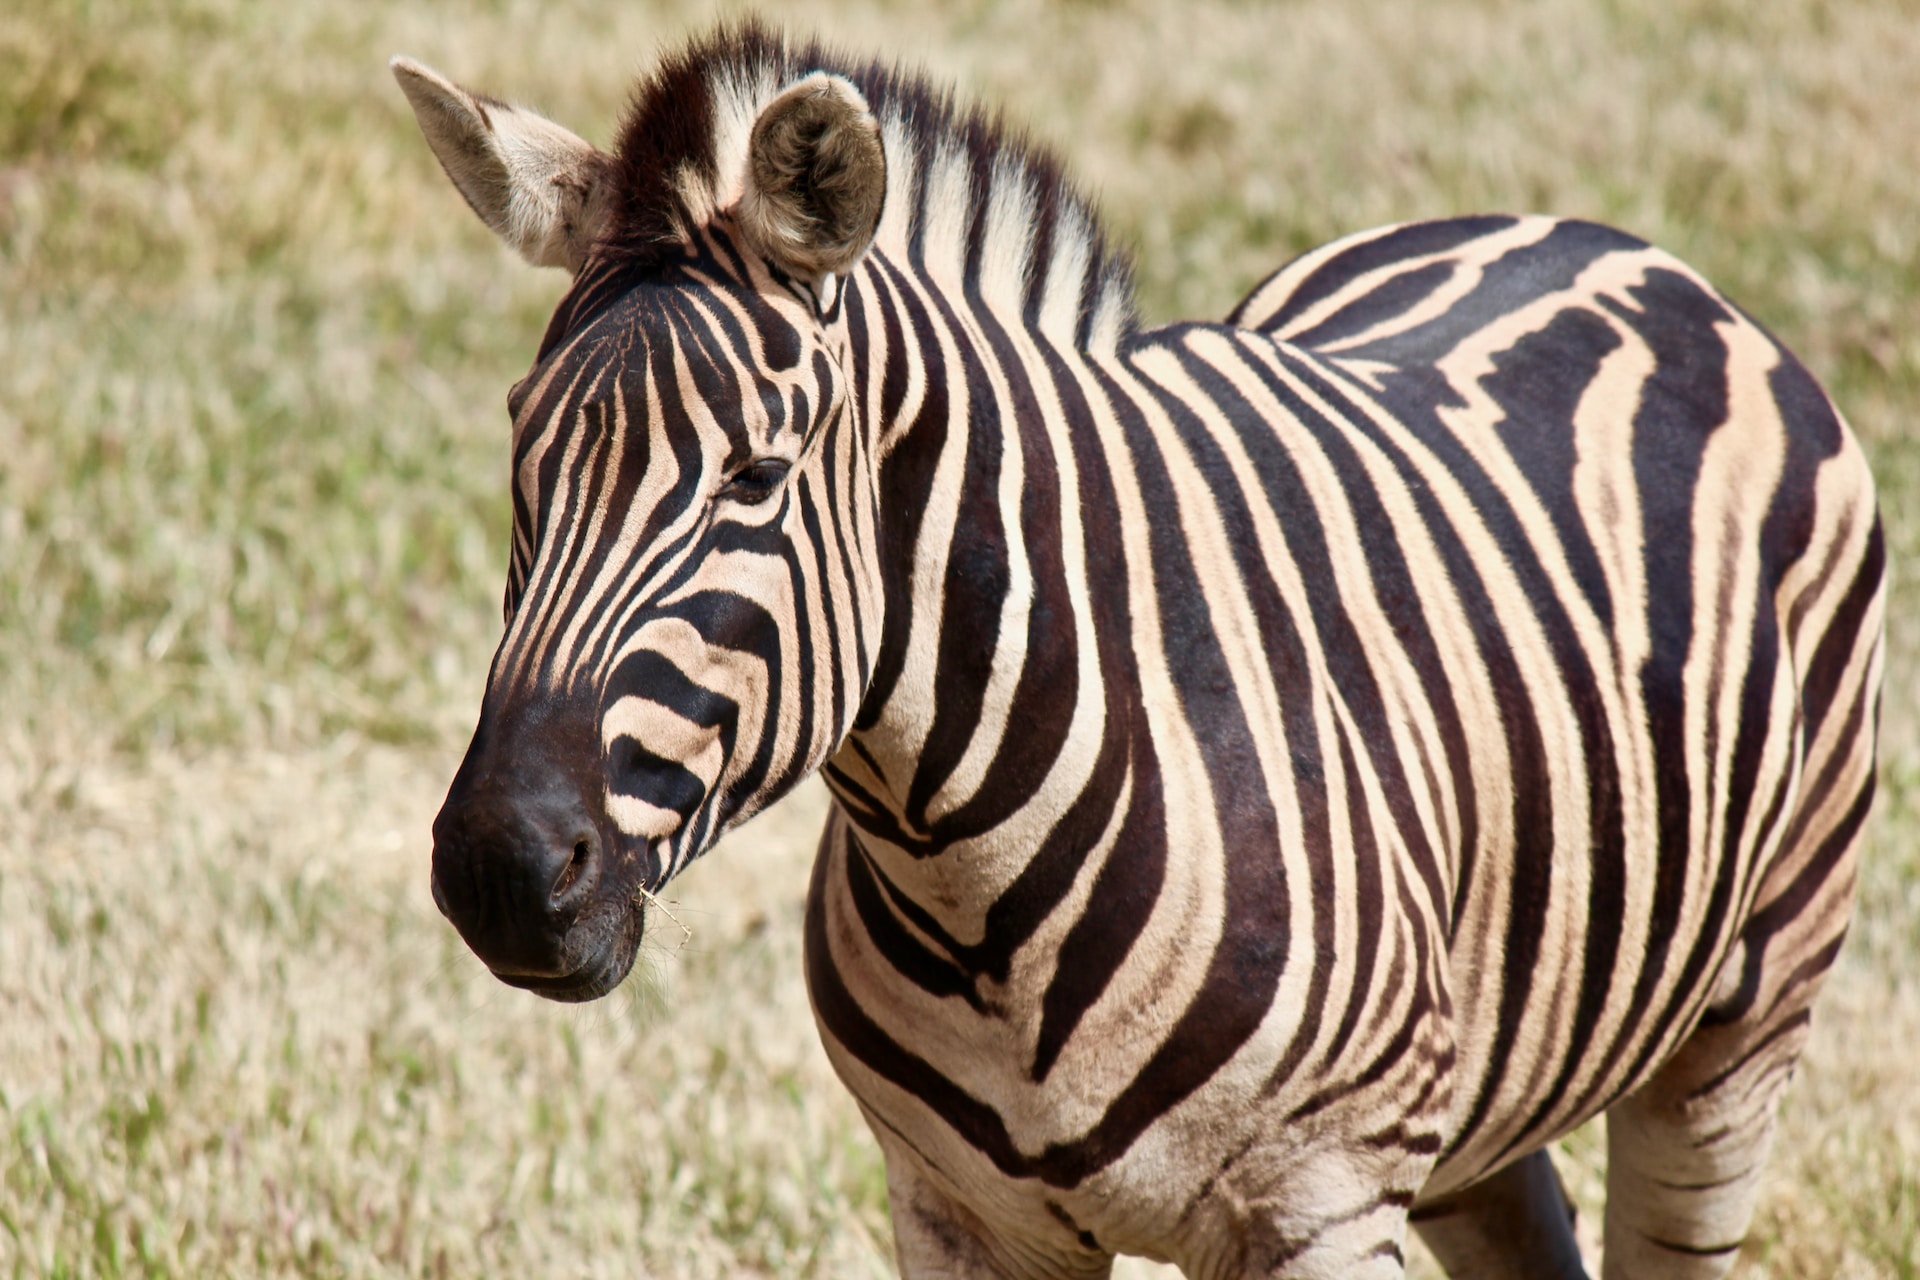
(575,871)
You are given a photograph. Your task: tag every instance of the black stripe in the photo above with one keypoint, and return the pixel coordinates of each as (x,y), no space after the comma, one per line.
(1415,240)
(1837,647)
(1682,403)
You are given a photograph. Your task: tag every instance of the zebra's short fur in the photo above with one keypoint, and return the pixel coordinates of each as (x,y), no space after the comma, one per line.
(1286,771)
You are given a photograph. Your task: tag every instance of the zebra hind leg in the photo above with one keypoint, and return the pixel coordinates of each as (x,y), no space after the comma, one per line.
(1685,1150)
(1516,1224)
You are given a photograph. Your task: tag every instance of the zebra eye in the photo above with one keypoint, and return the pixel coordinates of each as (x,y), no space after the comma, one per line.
(755,482)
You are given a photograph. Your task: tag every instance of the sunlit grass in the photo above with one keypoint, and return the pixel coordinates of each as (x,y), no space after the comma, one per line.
(253,359)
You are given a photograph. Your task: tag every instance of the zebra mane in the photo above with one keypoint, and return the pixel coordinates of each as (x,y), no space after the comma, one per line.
(974,202)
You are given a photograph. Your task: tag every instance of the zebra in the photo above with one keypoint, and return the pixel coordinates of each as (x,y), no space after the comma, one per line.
(1285,772)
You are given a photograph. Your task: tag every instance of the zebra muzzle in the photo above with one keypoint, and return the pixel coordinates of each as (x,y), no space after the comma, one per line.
(525,863)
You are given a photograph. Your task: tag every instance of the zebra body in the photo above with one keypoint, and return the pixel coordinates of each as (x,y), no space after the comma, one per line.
(1286,772)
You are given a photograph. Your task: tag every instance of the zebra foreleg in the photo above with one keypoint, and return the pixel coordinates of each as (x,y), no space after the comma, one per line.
(937,1238)
(1514,1225)
(1329,1217)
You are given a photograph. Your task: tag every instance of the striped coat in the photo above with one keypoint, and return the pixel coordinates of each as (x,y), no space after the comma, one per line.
(1286,771)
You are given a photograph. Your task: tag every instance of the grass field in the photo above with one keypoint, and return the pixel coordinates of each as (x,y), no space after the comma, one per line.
(253,357)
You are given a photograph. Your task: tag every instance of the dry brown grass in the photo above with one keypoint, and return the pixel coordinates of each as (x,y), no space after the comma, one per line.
(252,355)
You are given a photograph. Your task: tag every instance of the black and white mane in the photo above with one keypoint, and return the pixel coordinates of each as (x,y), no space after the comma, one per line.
(970,199)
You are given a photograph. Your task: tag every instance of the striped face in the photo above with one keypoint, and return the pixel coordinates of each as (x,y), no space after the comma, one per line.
(692,598)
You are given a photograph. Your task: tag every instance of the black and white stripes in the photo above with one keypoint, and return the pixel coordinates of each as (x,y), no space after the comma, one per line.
(1287,771)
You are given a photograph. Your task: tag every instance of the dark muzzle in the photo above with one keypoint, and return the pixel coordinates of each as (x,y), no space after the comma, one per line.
(522,862)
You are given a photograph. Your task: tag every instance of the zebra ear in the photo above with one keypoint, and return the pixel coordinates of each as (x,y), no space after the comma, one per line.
(542,189)
(816,178)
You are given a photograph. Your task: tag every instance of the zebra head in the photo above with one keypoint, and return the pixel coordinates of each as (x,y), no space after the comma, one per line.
(694,592)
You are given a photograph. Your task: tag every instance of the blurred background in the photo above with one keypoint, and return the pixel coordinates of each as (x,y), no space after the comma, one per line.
(253,359)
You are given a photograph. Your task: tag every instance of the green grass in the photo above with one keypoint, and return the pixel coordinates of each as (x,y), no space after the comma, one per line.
(253,357)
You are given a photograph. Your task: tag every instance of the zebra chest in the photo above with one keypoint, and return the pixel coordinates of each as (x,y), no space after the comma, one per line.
(1147,1032)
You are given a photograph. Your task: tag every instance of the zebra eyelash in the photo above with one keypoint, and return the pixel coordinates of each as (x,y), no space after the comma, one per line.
(756,482)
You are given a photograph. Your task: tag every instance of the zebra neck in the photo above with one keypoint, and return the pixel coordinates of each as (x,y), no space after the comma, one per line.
(991,709)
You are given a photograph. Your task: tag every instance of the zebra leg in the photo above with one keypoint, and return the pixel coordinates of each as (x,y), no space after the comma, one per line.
(1329,1215)
(1684,1151)
(934,1238)
(1684,1156)
(1516,1224)
(937,1238)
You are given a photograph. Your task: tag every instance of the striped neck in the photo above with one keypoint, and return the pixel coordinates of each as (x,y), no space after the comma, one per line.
(987,708)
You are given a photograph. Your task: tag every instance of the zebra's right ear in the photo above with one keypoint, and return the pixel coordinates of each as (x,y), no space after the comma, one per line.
(542,189)
(816,177)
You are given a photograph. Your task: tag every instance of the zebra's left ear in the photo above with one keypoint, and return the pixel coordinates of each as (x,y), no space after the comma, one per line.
(542,189)
(816,178)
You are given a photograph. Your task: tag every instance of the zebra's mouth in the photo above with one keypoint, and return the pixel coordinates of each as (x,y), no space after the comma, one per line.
(607,961)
